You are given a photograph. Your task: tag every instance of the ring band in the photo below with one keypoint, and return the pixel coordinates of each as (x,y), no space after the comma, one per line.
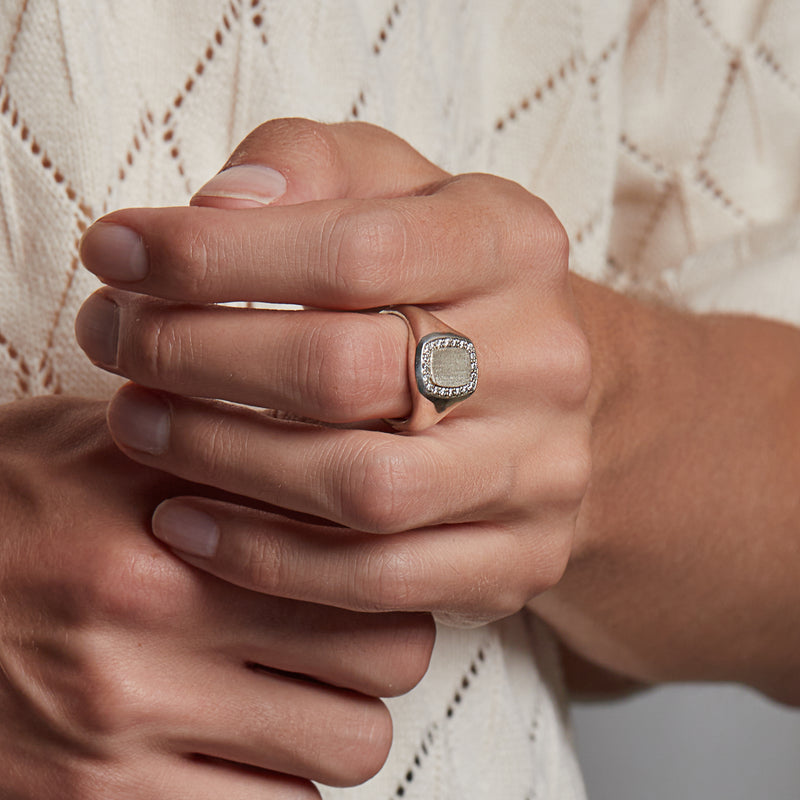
(442,367)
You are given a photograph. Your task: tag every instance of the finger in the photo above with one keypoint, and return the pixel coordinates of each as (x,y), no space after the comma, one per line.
(313,364)
(425,569)
(125,774)
(286,161)
(377,655)
(282,724)
(366,480)
(462,240)
(195,778)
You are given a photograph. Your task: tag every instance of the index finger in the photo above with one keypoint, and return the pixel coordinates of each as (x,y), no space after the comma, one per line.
(347,254)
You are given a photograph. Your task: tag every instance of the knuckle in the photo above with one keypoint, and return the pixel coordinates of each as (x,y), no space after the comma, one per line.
(497,595)
(157,347)
(134,588)
(574,367)
(516,227)
(544,240)
(365,246)
(488,224)
(580,367)
(217,444)
(551,562)
(506,604)
(554,242)
(508,489)
(269,564)
(479,184)
(481,608)
(562,365)
(191,254)
(100,699)
(317,142)
(386,577)
(309,141)
(524,563)
(378,491)
(142,592)
(117,596)
(504,590)
(107,705)
(550,235)
(574,469)
(342,366)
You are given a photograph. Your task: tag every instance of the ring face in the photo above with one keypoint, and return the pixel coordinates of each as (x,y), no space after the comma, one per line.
(446,367)
(442,364)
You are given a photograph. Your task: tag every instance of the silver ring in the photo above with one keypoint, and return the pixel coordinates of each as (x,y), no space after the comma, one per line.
(443,367)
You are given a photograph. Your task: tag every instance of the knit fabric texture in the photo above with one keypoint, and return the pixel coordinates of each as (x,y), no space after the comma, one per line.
(664,133)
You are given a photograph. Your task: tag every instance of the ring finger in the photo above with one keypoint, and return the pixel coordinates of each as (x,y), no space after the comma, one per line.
(276,722)
(366,480)
(171,778)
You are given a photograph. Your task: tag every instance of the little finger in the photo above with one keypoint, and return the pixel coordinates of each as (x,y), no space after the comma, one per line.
(169,777)
(465,573)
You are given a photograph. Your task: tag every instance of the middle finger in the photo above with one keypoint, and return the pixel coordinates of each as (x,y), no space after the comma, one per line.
(332,367)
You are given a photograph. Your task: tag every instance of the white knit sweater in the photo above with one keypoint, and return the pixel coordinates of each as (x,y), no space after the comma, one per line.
(664,133)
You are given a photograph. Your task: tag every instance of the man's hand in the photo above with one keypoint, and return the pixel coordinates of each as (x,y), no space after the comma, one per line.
(469,519)
(682,557)
(125,673)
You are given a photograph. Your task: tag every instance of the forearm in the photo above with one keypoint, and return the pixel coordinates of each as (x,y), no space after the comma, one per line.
(687,549)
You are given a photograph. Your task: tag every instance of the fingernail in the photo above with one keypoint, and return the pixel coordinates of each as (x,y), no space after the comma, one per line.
(114,253)
(139,420)
(186,529)
(244,186)
(97,330)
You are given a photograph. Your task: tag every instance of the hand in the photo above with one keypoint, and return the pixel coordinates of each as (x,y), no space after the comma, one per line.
(469,519)
(127,674)
(683,559)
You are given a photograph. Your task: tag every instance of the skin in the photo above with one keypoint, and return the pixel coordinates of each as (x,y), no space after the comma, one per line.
(627,470)
(127,673)
(687,545)
(470,555)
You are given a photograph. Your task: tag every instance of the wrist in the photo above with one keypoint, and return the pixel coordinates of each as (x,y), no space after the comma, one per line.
(632,346)
(685,554)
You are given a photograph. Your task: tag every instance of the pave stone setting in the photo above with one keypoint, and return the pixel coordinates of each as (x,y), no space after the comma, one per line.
(446,368)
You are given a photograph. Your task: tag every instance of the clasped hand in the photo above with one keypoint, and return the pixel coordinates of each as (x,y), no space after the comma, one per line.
(125,673)
(469,519)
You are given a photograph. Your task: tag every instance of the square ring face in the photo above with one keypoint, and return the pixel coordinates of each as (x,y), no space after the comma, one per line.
(446,367)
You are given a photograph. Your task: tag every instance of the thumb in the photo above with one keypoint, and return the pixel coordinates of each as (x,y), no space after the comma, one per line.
(288,161)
